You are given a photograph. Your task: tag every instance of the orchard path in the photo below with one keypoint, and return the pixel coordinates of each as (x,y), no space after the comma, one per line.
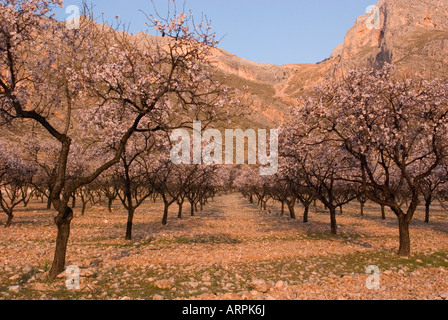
(230,230)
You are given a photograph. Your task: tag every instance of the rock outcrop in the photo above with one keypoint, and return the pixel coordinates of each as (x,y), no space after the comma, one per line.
(413,34)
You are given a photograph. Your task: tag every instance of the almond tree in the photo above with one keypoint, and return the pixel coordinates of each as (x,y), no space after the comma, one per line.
(134,187)
(108,185)
(86,195)
(284,191)
(164,179)
(323,168)
(280,192)
(92,78)
(185,183)
(395,131)
(15,176)
(244,182)
(175,183)
(362,199)
(207,179)
(291,175)
(431,186)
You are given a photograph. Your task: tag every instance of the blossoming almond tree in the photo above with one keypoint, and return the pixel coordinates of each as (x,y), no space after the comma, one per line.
(77,85)
(132,175)
(431,186)
(15,176)
(394,129)
(291,177)
(321,166)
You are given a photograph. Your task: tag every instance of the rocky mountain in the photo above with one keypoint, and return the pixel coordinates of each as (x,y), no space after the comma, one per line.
(411,34)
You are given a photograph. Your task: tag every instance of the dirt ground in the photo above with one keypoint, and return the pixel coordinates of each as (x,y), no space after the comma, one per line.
(230,251)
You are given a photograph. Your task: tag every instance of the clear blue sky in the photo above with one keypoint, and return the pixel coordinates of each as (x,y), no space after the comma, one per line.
(274,31)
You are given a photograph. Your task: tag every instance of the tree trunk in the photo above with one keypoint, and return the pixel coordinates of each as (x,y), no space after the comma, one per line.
(292,212)
(192,208)
(305,214)
(341,210)
(405,240)
(83,210)
(128,200)
(283,208)
(251,199)
(383,213)
(9,221)
(73,201)
(109,204)
(362,209)
(427,209)
(334,226)
(129,224)
(49,203)
(179,214)
(25,202)
(165,214)
(62,221)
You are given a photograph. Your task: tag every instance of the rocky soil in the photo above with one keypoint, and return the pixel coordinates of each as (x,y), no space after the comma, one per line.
(231,250)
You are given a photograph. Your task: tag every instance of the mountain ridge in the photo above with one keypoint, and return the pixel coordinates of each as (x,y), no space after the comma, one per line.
(411,34)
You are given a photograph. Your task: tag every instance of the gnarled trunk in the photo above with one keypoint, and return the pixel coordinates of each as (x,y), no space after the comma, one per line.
(292,213)
(9,221)
(62,221)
